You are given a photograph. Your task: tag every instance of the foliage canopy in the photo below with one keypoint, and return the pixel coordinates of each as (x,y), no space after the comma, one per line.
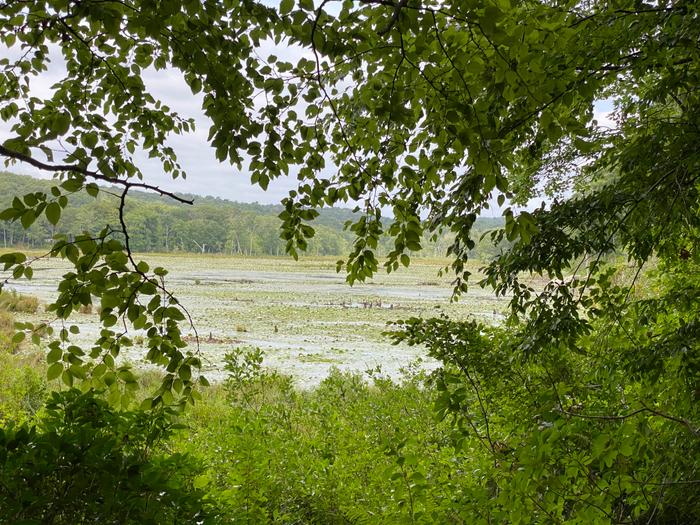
(433,110)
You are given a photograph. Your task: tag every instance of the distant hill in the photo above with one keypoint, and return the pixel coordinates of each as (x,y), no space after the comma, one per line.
(212,225)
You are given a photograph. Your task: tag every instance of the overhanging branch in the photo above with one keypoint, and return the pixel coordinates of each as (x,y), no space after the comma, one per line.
(54,168)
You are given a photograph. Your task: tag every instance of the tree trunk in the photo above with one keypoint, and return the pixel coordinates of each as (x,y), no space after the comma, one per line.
(167,235)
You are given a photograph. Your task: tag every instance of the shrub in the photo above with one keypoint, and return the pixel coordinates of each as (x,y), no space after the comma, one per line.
(249,383)
(324,455)
(22,389)
(84,462)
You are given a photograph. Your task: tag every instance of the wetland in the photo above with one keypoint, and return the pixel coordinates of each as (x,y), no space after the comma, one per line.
(301,314)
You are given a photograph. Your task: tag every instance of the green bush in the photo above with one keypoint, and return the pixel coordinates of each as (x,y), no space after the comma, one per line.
(84,462)
(22,389)
(335,454)
(22,384)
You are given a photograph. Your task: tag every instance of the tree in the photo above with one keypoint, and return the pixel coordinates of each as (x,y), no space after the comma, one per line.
(438,109)
(432,109)
(88,128)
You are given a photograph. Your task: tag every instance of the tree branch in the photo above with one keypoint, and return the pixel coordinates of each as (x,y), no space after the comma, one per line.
(88,173)
(644,408)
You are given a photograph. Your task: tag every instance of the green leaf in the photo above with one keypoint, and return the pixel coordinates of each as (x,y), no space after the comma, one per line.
(54,355)
(92,189)
(54,371)
(61,123)
(89,140)
(201,481)
(286,7)
(8,214)
(53,212)
(72,185)
(185,372)
(67,377)
(28,218)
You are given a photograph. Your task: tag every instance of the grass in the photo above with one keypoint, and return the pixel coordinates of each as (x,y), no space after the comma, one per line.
(318,358)
(7,322)
(22,369)
(14,302)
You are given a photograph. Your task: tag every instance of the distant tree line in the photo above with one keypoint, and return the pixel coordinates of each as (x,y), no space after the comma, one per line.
(212,225)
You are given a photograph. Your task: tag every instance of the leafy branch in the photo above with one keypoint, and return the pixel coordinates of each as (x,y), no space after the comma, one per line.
(73,168)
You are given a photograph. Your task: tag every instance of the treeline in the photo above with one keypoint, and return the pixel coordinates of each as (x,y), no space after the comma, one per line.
(212,225)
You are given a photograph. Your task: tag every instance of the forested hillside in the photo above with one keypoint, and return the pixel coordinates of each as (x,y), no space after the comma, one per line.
(212,225)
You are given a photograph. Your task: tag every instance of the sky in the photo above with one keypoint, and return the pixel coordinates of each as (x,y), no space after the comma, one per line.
(206,175)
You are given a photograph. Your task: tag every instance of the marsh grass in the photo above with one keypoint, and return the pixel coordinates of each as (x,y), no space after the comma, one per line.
(7,322)
(22,373)
(12,301)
